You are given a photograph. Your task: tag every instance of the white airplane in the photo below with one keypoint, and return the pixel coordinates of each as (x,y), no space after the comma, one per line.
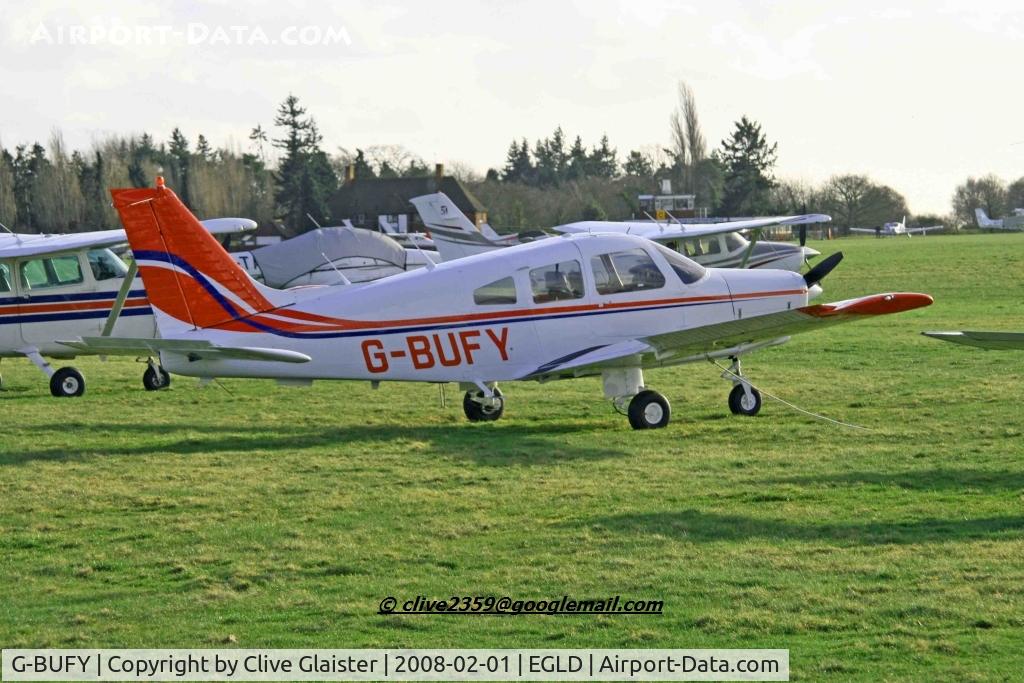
(331,256)
(607,305)
(52,286)
(715,245)
(896,228)
(1012,222)
(982,340)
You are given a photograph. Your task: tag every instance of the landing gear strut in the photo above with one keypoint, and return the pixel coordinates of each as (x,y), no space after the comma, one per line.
(155,377)
(479,407)
(743,399)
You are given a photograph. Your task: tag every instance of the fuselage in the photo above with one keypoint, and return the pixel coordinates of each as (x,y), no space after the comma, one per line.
(65,295)
(496,316)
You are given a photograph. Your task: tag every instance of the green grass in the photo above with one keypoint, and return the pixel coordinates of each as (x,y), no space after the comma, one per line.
(253,515)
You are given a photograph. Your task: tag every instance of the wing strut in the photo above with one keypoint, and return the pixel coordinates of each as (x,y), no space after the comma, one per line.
(754,235)
(122,294)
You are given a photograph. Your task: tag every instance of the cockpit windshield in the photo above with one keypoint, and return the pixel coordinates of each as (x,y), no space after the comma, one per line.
(687,270)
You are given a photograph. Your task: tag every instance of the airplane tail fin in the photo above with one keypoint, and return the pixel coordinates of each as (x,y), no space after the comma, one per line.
(983,220)
(191,282)
(453,233)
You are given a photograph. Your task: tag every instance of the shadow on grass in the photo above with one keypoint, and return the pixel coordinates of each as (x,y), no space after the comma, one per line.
(706,527)
(522,444)
(922,480)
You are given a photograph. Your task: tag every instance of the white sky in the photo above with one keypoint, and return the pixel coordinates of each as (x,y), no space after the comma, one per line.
(917,95)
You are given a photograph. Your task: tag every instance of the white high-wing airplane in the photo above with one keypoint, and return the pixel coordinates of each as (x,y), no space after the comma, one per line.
(52,286)
(982,340)
(714,245)
(608,305)
(896,228)
(1011,222)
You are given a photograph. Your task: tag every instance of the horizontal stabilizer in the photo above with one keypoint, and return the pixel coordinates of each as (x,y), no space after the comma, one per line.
(194,349)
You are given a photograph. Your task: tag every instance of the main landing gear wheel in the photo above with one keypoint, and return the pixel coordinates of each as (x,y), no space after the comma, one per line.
(155,378)
(649,410)
(477,409)
(67,382)
(742,404)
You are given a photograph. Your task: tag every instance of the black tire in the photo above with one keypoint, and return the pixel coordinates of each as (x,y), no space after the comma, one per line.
(67,382)
(738,403)
(155,379)
(477,412)
(649,410)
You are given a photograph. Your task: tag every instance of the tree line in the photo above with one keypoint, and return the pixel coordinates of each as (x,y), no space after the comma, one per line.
(285,176)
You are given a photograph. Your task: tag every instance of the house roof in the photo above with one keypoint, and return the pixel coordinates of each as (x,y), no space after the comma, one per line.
(388,196)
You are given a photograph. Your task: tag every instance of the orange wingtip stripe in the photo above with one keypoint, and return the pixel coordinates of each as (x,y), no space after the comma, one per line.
(876,304)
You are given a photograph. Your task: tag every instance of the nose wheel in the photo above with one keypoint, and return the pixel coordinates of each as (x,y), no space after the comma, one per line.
(743,399)
(482,408)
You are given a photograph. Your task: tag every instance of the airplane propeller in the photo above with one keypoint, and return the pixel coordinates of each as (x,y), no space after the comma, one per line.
(818,272)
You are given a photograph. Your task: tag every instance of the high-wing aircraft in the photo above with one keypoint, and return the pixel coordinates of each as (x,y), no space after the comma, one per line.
(52,286)
(897,228)
(585,304)
(717,245)
(982,340)
(1015,221)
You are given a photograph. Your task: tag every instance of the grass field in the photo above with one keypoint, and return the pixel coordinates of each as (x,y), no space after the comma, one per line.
(253,515)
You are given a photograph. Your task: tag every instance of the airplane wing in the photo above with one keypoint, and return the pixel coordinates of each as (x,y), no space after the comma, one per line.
(21,245)
(726,338)
(870,230)
(196,349)
(662,231)
(926,229)
(983,340)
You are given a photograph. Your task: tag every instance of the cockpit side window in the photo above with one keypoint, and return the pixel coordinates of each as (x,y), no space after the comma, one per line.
(105,265)
(687,270)
(625,271)
(496,293)
(5,277)
(557,282)
(55,271)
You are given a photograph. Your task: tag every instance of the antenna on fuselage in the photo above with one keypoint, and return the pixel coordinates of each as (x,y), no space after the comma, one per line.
(313,220)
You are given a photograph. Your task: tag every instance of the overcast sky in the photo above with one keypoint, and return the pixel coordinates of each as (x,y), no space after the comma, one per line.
(917,95)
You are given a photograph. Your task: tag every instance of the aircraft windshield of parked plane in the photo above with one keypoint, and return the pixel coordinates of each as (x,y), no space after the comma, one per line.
(52,286)
(608,305)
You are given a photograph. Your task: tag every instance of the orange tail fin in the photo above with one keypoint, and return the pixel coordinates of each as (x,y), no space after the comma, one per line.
(188,275)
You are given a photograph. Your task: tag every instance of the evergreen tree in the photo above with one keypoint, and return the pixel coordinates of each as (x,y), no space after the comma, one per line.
(748,160)
(518,164)
(181,159)
(638,164)
(304,179)
(203,149)
(602,162)
(578,161)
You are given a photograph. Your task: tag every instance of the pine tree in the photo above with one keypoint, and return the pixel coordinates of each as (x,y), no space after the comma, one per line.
(304,179)
(519,167)
(748,160)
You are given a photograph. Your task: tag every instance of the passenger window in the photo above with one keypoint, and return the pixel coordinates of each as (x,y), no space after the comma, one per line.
(557,282)
(625,271)
(105,265)
(501,291)
(5,278)
(51,272)
(687,270)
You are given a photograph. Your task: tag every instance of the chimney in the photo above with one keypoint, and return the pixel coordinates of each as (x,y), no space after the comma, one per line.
(438,172)
(350,173)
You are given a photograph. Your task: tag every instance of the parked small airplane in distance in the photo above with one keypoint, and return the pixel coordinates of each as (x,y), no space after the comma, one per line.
(982,340)
(897,228)
(607,305)
(52,286)
(331,256)
(714,245)
(1012,222)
